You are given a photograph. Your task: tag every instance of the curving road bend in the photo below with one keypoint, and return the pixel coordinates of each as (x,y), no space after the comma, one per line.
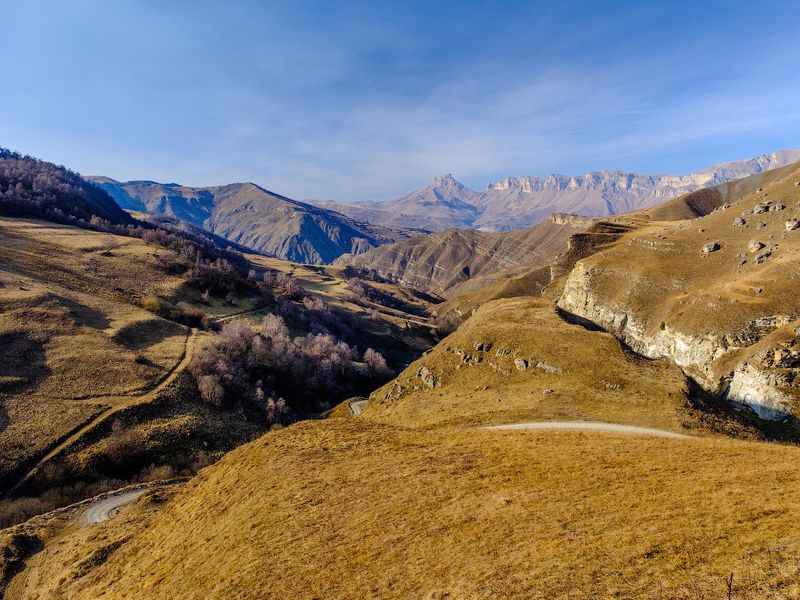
(589,426)
(103,510)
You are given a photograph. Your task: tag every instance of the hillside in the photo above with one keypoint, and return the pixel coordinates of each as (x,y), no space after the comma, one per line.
(715,294)
(487,513)
(253,217)
(694,505)
(519,202)
(101,337)
(30,187)
(443,262)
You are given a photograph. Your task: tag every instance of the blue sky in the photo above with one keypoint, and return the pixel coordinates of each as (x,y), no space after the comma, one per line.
(368,100)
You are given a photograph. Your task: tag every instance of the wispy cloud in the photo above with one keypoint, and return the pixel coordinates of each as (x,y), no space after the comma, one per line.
(365,101)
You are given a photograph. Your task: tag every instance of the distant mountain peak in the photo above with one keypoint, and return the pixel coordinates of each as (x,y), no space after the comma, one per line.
(446,180)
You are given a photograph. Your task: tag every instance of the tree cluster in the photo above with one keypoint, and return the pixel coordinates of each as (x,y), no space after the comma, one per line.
(366,291)
(30,187)
(278,375)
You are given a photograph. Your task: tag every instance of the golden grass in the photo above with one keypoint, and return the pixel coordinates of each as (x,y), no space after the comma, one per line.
(346,508)
(74,337)
(658,272)
(596,380)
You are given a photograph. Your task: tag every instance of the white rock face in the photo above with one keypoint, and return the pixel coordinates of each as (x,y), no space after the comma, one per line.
(696,355)
(760,391)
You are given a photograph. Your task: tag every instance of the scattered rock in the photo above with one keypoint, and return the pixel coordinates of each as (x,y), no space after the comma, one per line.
(742,262)
(428,378)
(711,247)
(547,368)
(739,221)
(760,258)
(521,363)
(761,225)
(760,209)
(778,206)
(478,346)
(759,290)
(502,352)
(701,230)
(792,224)
(754,246)
(548,391)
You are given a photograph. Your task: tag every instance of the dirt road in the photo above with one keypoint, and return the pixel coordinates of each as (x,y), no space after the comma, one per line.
(119,403)
(107,508)
(589,426)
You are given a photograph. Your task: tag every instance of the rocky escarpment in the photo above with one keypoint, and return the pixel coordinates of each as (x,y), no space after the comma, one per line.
(766,380)
(712,288)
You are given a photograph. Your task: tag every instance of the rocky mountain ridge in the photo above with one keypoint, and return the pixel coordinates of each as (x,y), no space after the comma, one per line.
(518,202)
(440,262)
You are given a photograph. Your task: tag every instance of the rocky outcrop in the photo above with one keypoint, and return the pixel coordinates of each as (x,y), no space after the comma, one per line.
(754,383)
(578,221)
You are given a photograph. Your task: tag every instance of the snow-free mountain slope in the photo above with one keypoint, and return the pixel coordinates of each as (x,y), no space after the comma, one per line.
(254,217)
(438,262)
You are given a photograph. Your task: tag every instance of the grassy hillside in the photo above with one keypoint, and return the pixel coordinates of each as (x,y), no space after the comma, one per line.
(413,497)
(342,509)
(715,294)
(99,331)
(569,373)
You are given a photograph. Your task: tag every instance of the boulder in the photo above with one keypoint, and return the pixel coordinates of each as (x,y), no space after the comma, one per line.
(711,247)
(792,224)
(521,363)
(760,258)
(760,209)
(428,377)
(754,246)
(739,222)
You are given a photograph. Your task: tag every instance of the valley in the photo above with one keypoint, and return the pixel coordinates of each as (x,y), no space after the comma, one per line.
(610,409)
(102,330)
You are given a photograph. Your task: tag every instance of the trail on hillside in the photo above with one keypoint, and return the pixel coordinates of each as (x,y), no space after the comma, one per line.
(73,437)
(588,426)
(108,507)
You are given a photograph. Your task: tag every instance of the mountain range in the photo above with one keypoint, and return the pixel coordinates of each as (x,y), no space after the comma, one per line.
(519,202)
(253,217)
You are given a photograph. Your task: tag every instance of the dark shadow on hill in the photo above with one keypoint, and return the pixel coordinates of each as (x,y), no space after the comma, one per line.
(143,334)
(23,364)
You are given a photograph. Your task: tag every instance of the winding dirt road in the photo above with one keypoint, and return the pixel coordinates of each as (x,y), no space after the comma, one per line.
(588,426)
(107,508)
(120,403)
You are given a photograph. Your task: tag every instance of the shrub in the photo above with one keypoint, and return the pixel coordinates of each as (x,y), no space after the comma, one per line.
(376,363)
(275,374)
(445,324)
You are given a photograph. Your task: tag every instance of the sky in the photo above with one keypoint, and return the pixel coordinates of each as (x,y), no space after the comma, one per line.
(368,100)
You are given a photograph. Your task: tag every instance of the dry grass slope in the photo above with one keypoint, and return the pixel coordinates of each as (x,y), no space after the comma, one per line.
(344,509)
